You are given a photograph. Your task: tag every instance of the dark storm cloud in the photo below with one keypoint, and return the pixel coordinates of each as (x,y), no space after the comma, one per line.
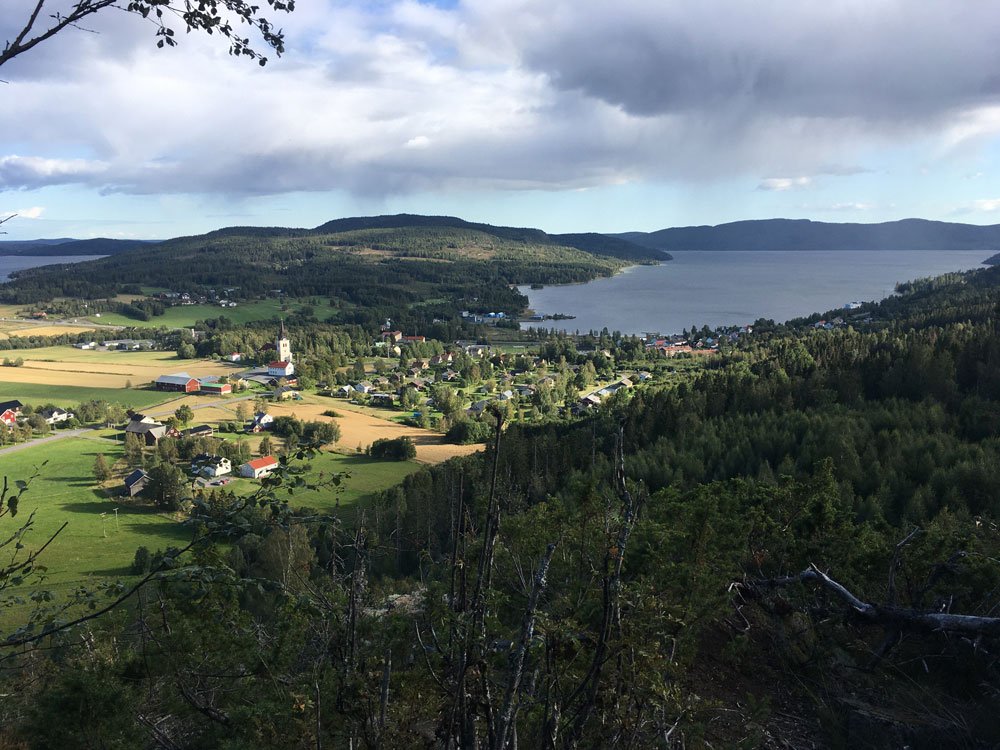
(380,99)
(873,61)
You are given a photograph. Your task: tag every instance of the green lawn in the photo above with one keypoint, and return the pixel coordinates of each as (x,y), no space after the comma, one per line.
(90,546)
(185,316)
(69,395)
(158,358)
(367,477)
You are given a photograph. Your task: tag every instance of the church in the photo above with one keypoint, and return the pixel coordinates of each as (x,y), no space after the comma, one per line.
(282,367)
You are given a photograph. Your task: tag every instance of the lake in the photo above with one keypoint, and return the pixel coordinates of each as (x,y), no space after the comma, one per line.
(718,288)
(11,263)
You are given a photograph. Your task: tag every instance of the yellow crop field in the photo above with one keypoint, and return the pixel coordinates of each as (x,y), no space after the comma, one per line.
(361,429)
(64,365)
(45,330)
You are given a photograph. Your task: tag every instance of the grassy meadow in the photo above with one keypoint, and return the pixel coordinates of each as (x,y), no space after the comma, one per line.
(64,490)
(185,316)
(68,396)
(95,546)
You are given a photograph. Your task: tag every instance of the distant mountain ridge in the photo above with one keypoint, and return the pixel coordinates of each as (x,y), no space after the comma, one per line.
(69,246)
(806,235)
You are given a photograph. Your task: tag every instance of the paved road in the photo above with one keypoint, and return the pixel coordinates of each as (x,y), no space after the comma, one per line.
(51,438)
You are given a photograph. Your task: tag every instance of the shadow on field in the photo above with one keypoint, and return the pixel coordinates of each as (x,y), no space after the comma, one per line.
(121,572)
(173,532)
(108,506)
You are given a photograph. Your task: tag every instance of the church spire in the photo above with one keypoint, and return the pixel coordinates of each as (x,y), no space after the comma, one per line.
(283,345)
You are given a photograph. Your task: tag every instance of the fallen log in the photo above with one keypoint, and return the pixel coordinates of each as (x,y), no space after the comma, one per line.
(886,616)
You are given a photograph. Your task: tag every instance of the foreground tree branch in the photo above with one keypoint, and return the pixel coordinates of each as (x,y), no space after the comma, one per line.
(210,16)
(887,616)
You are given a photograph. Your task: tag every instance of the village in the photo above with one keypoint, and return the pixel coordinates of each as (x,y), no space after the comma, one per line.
(451,394)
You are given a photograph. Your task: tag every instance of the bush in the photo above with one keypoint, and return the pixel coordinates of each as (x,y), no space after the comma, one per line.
(469,431)
(393,449)
(142,562)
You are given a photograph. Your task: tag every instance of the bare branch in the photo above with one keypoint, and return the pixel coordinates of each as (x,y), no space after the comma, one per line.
(894,565)
(900,618)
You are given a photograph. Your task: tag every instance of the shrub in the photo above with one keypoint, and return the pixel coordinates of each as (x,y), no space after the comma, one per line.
(141,562)
(469,431)
(393,449)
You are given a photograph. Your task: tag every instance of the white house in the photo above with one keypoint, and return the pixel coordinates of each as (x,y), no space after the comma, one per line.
(210,466)
(280,369)
(55,415)
(260,422)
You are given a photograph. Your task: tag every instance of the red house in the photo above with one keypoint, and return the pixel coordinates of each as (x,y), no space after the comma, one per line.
(9,412)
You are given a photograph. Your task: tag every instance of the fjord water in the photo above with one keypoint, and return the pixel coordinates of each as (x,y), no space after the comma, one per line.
(717,288)
(11,263)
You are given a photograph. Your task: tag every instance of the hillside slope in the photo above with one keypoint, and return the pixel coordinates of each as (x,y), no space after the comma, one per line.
(805,235)
(369,268)
(66,246)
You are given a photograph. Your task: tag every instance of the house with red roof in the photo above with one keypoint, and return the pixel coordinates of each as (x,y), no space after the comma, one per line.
(259,467)
(280,369)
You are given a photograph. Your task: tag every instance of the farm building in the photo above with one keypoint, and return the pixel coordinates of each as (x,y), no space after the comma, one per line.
(181,382)
(204,430)
(136,482)
(259,467)
(150,431)
(216,389)
(9,412)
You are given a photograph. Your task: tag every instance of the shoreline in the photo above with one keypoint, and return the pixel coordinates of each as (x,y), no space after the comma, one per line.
(725,288)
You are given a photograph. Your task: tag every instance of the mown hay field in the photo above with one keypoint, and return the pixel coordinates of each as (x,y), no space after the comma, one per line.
(64,365)
(361,430)
(19,330)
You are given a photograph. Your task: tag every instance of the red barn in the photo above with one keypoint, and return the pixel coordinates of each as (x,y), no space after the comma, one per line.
(181,382)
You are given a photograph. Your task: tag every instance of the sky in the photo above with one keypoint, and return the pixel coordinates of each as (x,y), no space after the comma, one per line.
(566,115)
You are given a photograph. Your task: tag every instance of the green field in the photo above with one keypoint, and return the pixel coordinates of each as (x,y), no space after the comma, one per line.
(92,548)
(366,478)
(185,316)
(65,490)
(167,359)
(70,395)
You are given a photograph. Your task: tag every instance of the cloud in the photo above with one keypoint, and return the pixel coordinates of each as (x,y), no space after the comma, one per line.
(28,172)
(987,204)
(851,206)
(35,212)
(782,184)
(883,60)
(403,96)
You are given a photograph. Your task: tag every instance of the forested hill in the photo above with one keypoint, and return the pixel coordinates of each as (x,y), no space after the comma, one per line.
(805,235)
(598,244)
(66,246)
(412,274)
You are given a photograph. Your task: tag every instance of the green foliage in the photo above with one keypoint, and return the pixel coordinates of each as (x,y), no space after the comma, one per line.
(102,472)
(393,449)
